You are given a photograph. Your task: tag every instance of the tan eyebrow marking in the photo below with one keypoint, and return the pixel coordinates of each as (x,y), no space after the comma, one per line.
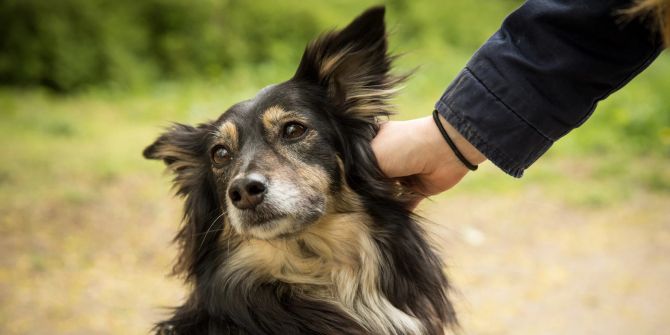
(272,116)
(228,132)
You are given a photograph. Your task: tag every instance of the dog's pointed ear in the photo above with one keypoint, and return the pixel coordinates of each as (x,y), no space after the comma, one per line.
(181,147)
(353,65)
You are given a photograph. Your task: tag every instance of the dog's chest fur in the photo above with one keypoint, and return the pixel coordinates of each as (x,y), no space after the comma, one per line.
(336,261)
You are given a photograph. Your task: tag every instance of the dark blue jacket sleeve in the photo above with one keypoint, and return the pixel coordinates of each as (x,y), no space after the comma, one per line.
(542,74)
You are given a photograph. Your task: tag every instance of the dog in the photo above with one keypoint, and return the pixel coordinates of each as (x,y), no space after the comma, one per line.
(289,225)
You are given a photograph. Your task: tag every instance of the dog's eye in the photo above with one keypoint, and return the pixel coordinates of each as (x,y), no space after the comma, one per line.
(294,130)
(221,155)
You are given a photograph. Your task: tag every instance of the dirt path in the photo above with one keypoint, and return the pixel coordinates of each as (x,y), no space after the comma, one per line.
(525,265)
(522,264)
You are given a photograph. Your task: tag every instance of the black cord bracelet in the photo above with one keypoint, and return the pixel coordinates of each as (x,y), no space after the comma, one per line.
(453,147)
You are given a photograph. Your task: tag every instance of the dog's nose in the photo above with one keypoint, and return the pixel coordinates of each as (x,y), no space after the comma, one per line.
(247,192)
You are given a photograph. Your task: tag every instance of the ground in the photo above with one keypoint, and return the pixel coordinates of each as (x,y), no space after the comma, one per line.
(528,265)
(520,263)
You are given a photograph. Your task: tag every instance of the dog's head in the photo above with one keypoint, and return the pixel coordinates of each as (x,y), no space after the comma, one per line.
(272,165)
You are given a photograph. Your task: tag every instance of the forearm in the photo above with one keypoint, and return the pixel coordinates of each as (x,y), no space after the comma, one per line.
(469,151)
(542,75)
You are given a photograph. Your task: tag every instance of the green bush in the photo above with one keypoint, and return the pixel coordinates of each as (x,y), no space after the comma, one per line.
(68,44)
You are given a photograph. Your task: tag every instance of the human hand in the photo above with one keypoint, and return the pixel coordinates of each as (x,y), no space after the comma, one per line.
(416,149)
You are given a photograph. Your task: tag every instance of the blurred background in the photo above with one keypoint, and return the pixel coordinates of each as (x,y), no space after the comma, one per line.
(580,245)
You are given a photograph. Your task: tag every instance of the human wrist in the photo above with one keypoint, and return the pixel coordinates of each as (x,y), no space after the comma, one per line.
(469,151)
(439,156)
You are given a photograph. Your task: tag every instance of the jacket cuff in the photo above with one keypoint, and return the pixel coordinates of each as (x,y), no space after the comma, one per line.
(505,138)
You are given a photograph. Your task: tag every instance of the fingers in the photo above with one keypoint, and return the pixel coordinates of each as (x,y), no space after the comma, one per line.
(398,148)
(382,146)
(415,153)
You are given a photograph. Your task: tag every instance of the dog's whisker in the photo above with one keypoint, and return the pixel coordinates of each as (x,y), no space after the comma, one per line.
(209,231)
(210,228)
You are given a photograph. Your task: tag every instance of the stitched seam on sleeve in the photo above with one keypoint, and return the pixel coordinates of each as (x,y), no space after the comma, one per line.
(508,107)
(471,133)
(468,129)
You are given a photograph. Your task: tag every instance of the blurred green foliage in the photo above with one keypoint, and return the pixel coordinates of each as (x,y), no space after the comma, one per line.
(68,44)
(189,60)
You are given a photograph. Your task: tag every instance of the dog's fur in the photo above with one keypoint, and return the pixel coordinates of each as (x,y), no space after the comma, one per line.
(331,249)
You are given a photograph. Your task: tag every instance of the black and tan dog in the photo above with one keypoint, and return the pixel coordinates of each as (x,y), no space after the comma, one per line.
(290,227)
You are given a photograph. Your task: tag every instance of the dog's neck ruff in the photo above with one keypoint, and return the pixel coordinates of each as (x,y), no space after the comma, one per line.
(335,261)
